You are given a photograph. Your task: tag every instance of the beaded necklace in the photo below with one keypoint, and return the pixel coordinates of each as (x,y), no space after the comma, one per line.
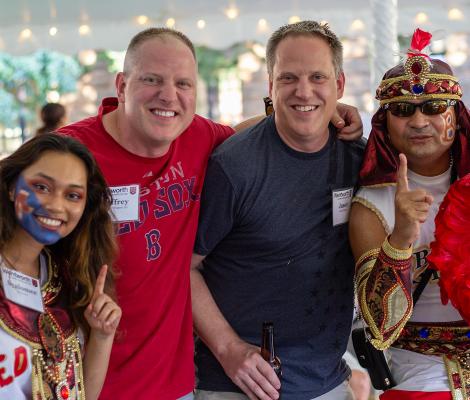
(58,380)
(56,358)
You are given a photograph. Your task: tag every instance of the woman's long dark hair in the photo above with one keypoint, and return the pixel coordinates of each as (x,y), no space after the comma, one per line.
(91,244)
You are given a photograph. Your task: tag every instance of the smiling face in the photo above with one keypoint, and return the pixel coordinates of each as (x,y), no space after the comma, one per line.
(424,139)
(304,90)
(50,196)
(158,93)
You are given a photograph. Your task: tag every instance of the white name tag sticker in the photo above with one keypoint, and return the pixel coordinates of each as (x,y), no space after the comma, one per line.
(22,289)
(341,205)
(125,206)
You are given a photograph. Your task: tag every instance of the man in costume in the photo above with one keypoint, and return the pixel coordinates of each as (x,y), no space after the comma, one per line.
(273,236)
(418,145)
(153,151)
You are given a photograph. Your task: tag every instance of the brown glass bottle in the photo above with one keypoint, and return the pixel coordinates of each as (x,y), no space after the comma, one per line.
(267,348)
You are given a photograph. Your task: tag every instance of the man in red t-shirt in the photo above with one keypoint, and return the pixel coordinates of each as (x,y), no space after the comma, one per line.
(153,151)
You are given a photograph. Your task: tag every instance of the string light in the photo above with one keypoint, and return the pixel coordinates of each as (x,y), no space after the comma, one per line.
(259,50)
(84,29)
(421,18)
(26,34)
(294,19)
(170,23)
(357,25)
(142,19)
(87,57)
(455,14)
(262,25)
(248,62)
(232,12)
(53,14)
(201,24)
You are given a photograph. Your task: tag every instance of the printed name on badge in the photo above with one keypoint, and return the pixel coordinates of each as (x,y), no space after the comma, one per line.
(125,206)
(22,289)
(341,205)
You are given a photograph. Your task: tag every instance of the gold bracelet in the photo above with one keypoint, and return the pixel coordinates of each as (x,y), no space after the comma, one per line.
(394,253)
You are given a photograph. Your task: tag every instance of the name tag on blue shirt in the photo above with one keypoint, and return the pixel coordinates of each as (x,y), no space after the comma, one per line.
(341,205)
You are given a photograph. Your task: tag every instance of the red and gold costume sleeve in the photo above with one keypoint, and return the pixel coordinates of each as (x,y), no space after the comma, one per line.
(384,292)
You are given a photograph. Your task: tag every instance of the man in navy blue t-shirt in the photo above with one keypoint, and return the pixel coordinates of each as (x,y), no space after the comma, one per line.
(272,239)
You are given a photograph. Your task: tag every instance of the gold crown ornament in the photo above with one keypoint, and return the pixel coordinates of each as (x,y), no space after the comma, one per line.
(420,77)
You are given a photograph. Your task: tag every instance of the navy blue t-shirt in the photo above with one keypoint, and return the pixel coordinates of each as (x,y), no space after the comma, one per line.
(274,255)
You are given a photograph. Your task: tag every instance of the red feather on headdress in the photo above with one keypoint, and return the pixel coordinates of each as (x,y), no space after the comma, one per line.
(420,40)
(450,252)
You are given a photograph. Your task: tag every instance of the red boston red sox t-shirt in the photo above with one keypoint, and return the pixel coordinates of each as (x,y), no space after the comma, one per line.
(152,356)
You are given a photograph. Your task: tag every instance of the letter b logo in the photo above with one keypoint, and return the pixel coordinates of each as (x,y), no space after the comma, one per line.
(153,247)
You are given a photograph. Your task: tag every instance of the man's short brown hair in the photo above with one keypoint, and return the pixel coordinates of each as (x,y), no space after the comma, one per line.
(305,28)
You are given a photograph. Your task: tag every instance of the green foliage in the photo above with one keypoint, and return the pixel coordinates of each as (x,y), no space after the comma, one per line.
(9,111)
(212,61)
(113,60)
(26,80)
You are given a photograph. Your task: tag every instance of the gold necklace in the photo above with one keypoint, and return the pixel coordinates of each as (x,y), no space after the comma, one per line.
(58,374)
(56,360)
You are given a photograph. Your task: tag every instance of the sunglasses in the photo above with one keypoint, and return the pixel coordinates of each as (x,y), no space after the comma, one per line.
(431,107)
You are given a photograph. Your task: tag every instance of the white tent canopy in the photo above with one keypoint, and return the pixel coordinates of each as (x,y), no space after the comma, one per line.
(112,23)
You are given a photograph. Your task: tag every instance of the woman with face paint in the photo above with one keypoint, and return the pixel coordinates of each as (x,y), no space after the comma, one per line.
(57,314)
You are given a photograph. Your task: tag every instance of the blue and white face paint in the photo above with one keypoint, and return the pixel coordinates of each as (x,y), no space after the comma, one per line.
(27,208)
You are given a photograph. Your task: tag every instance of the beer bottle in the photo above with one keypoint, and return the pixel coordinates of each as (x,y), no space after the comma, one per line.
(267,348)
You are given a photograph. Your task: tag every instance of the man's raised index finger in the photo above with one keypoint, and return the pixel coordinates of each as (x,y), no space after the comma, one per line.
(402,174)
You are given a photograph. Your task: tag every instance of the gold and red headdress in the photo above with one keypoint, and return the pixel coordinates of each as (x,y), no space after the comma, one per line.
(420,77)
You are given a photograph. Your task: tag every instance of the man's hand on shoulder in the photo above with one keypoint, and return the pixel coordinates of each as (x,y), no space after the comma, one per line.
(243,364)
(348,122)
